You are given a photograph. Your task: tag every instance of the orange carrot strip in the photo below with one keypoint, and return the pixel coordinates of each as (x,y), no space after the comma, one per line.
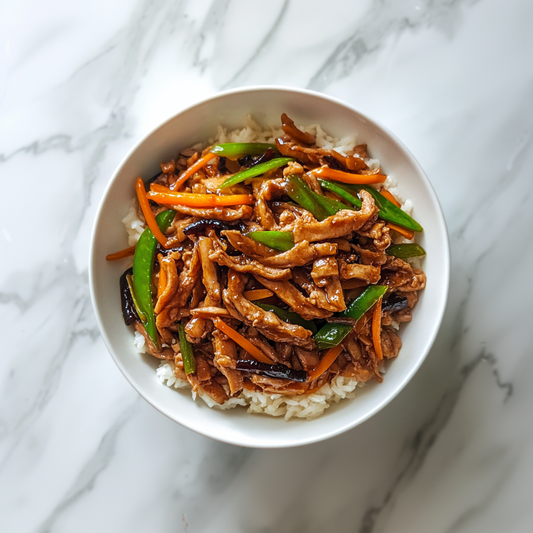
(193,169)
(127,252)
(325,362)
(390,197)
(190,199)
(156,187)
(407,233)
(253,350)
(348,177)
(376,330)
(147,212)
(257,294)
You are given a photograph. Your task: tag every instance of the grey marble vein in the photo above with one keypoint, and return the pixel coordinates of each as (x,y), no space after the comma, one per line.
(385,20)
(14,298)
(41,395)
(262,48)
(88,475)
(423,440)
(210,27)
(36,148)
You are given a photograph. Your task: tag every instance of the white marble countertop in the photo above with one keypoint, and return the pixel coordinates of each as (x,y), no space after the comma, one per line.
(80,82)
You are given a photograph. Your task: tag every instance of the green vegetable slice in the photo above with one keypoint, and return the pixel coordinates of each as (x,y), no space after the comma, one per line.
(237,150)
(300,193)
(404,251)
(343,193)
(331,334)
(256,170)
(331,206)
(277,240)
(364,301)
(142,273)
(387,210)
(320,206)
(187,355)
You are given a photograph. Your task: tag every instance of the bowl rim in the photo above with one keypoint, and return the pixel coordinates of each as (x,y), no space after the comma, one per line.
(439,311)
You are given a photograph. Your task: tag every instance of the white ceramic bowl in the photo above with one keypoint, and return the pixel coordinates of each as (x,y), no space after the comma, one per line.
(197,124)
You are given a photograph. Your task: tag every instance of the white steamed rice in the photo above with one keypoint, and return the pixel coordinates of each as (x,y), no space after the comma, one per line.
(307,406)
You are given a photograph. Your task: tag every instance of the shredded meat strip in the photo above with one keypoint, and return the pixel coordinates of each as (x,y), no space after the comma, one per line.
(163,353)
(318,296)
(416,283)
(368,257)
(202,380)
(301,254)
(338,225)
(174,309)
(245,264)
(269,324)
(168,267)
(325,274)
(278,386)
(288,126)
(379,233)
(398,274)
(209,272)
(218,213)
(368,273)
(225,358)
(390,343)
(247,245)
(188,276)
(264,191)
(198,327)
(253,335)
(318,156)
(209,312)
(289,294)
(359,366)
(308,358)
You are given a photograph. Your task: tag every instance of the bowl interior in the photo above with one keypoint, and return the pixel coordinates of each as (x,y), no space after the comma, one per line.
(197,124)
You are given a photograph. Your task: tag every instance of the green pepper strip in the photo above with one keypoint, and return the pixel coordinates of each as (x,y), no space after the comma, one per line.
(337,189)
(332,334)
(187,355)
(277,240)
(236,150)
(142,272)
(404,251)
(300,193)
(331,206)
(387,210)
(288,316)
(256,170)
(320,206)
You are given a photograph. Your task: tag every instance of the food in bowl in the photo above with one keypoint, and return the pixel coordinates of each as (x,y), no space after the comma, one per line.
(271,269)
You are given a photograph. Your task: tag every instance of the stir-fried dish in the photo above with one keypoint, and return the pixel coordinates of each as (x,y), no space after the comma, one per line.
(271,267)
